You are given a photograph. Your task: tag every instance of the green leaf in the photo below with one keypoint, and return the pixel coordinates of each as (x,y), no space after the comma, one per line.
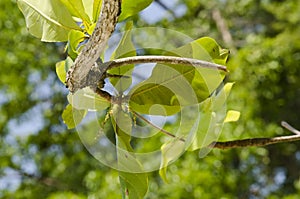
(86,99)
(72,117)
(124,49)
(215,51)
(132,7)
(48,20)
(75,38)
(174,86)
(88,7)
(171,151)
(134,182)
(232,116)
(96,9)
(212,117)
(76,9)
(62,67)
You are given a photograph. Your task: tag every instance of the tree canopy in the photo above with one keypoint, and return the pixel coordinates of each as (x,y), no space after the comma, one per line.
(41,158)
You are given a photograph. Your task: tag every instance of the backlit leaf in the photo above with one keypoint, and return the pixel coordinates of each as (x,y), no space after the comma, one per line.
(173,86)
(48,20)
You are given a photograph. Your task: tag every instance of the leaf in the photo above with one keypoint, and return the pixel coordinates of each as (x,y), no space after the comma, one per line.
(96,9)
(217,54)
(212,117)
(132,7)
(48,20)
(124,49)
(62,67)
(76,9)
(232,116)
(174,86)
(75,38)
(171,151)
(86,99)
(88,7)
(72,117)
(134,182)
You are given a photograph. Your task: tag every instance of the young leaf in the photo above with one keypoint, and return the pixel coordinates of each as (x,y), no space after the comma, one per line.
(76,9)
(75,38)
(62,67)
(132,7)
(48,20)
(124,49)
(232,116)
(72,117)
(96,9)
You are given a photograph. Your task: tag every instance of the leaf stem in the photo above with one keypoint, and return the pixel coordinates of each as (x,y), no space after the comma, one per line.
(153,125)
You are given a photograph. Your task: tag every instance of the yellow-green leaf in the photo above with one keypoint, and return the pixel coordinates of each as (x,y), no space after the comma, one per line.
(48,20)
(72,117)
(232,116)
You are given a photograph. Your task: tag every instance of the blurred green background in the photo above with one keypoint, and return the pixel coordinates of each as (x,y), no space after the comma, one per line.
(40,158)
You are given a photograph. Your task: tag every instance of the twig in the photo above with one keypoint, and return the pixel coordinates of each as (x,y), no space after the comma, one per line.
(236,143)
(164,60)
(77,75)
(253,142)
(153,125)
(290,128)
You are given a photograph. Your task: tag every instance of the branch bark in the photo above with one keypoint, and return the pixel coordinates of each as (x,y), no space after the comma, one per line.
(238,143)
(163,60)
(78,74)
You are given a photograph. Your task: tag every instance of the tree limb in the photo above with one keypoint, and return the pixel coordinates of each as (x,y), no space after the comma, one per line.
(238,143)
(164,60)
(77,75)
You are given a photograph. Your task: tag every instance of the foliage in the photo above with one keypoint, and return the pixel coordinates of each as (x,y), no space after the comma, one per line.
(266,92)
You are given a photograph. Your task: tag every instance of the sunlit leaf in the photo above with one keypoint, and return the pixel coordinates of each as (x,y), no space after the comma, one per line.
(96,9)
(173,86)
(86,99)
(62,67)
(72,117)
(76,9)
(75,38)
(48,20)
(132,7)
(232,116)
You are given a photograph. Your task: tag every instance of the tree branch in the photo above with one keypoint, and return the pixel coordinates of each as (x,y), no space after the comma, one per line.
(259,141)
(77,75)
(164,60)
(238,143)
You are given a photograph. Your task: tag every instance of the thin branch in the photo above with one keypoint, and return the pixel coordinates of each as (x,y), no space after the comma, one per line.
(236,143)
(77,75)
(290,128)
(164,60)
(253,142)
(153,125)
